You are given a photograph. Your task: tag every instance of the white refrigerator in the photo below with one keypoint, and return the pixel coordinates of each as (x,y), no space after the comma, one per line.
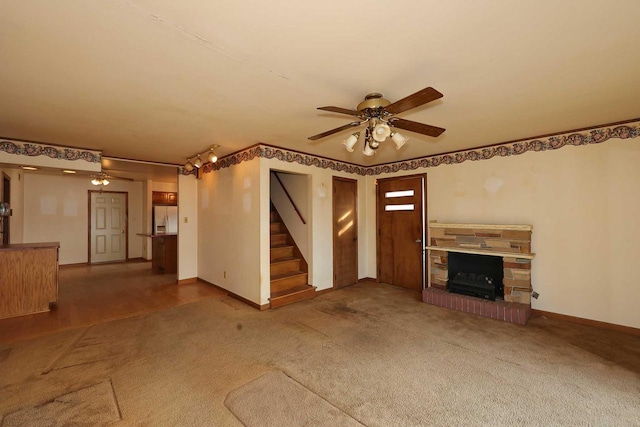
(165,219)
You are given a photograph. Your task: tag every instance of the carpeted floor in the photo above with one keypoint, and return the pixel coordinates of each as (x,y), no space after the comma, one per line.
(370,354)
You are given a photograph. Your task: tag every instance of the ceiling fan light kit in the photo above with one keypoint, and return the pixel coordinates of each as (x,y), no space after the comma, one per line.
(377,112)
(100,179)
(351,142)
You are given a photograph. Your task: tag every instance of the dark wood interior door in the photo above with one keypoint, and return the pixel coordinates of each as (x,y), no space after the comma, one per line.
(6,197)
(345,232)
(401,221)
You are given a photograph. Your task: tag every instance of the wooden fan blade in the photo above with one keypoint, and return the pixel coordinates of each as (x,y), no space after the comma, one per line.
(336,130)
(416,127)
(419,98)
(340,110)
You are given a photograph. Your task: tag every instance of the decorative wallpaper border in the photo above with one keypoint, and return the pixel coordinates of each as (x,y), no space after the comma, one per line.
(594,136)
(599,135)
(32,149)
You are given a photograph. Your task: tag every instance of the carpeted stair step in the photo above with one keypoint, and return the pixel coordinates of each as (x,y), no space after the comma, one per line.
(291,279)
(284,265)
(292,295)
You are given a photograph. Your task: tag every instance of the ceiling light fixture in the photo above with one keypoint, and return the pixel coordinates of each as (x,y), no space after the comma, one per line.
(377,131)
(100,179)
(29,168)
(68,171)
(195,161)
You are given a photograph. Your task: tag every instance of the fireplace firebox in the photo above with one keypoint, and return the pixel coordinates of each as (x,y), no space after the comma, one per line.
(478,276)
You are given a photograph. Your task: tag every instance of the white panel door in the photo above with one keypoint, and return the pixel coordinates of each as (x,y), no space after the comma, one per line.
(108,227)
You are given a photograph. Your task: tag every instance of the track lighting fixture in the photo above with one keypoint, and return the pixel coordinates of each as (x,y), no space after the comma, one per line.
(195,161)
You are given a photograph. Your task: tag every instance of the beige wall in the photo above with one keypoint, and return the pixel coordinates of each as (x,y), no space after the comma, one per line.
(187,227)
(584,207)
(56,209)
(229,229)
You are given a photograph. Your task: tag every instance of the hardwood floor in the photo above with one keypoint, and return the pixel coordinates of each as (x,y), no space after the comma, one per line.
(98,293)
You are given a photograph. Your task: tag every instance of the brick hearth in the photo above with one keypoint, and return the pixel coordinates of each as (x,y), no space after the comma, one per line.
(500,310)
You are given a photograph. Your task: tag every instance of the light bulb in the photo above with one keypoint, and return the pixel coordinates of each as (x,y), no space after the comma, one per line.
(95,181)
(197,162)
(105,181)
(188,166)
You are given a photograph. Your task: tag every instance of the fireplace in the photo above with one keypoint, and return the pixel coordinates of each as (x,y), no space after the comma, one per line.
(476,275)
(483,269)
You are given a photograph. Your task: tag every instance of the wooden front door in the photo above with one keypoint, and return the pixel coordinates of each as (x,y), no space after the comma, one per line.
(108,226)
(345,232)
(401,218)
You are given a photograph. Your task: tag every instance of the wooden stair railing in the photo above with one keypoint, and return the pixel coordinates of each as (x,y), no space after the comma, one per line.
(289,197)
(289,270)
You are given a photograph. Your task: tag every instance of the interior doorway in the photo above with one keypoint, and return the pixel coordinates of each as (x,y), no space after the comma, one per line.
(345,232)
(401,206)
(108,226)
(6,197)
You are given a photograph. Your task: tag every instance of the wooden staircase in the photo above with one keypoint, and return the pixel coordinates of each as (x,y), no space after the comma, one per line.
(289,271)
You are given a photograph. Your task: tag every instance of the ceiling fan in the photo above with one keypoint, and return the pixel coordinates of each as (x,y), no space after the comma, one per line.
(103,178)
(379,113)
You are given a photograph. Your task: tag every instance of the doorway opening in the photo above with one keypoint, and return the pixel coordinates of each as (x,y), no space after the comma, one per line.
(290,238)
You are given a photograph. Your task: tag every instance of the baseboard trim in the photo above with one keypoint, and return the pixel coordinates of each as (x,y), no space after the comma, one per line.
(78,264)
(367,279)
(588,322)
(324,291)
(236,296)
(187,281)
(248,302)
(137,259)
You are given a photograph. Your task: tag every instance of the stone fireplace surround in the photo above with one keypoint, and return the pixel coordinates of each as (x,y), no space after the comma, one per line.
(510,242)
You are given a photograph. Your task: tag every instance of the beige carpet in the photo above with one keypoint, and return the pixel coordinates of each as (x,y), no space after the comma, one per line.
(91,406)
(276,399)
(375,352)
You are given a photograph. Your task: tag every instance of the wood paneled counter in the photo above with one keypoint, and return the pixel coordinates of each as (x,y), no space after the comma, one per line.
(28,278)
(164,252)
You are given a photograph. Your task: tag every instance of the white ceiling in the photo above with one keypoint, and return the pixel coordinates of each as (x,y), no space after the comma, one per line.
(160,80)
